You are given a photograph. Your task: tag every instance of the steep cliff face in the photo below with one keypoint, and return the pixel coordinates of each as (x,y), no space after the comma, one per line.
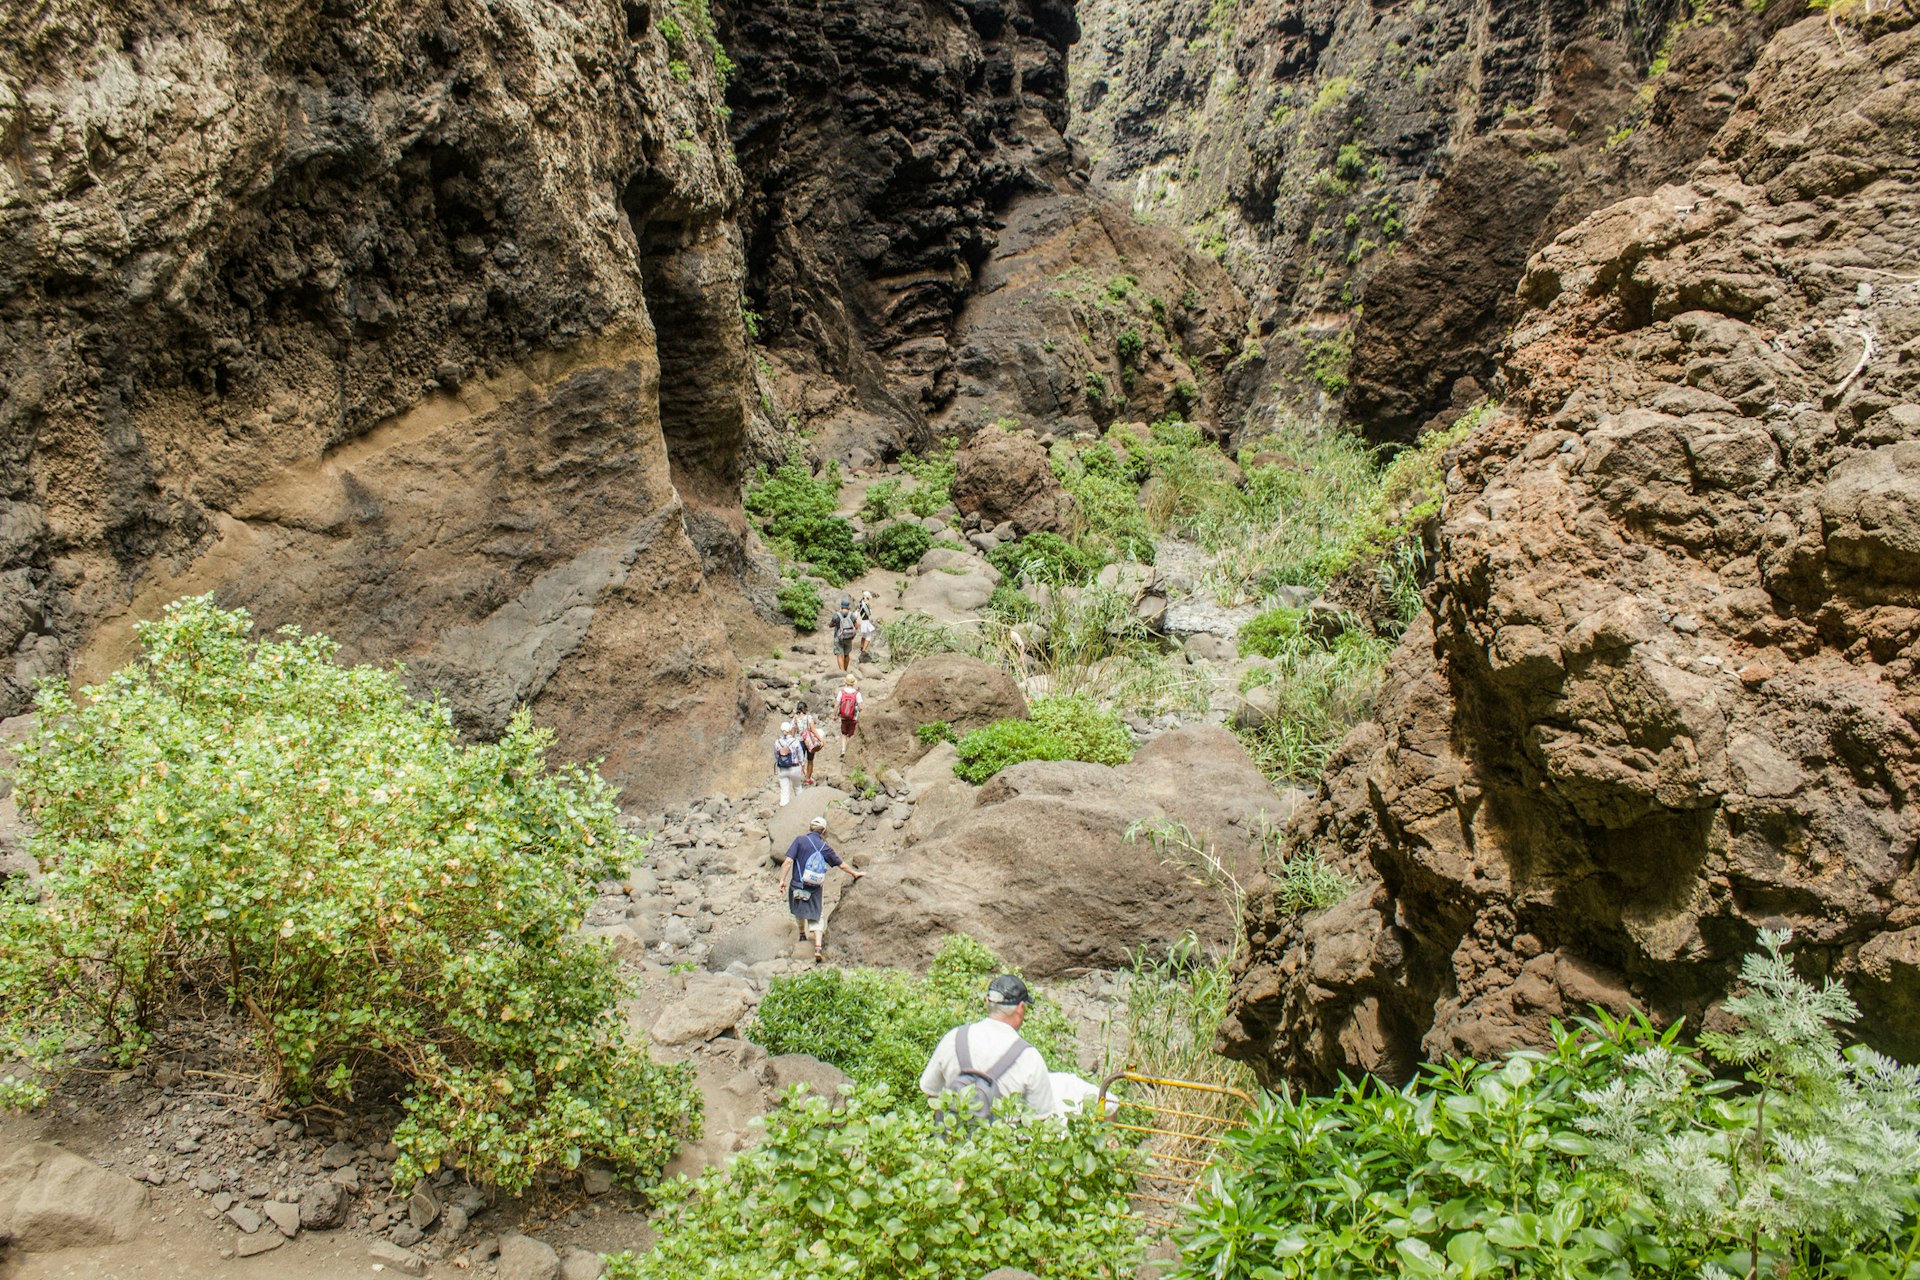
(1375,176)
(1667,694)
(903,165)
(358,316)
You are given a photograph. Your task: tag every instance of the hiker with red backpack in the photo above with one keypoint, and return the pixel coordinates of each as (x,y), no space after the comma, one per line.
(987,1060)
(803,876)
(847,706)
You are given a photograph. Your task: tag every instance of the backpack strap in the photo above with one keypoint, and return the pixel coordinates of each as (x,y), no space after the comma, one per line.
(993,1073)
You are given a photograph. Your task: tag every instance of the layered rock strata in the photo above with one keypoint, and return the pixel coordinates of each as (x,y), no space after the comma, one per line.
(1667,692)
(418,324)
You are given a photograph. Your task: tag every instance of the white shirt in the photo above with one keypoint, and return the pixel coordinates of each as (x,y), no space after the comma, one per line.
(987,1040)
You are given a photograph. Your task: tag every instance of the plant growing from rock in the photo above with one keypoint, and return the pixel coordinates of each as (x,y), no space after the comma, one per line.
(1070,727)
(796,511)
(389,911)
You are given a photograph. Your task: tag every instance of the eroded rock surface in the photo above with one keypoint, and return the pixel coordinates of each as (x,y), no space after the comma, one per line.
(362,324)
(1667,692)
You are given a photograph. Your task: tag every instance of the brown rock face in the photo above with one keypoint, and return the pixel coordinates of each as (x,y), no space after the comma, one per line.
(1667,693)
(1039,867)
(1000,476)
(417,325)
(964,692)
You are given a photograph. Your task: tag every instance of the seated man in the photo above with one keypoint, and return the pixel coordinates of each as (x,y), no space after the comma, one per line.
(990,1059)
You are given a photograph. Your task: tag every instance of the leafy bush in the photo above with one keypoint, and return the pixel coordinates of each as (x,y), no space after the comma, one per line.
(882,500)
(1618,1153)
(386,909)
(1045,557)
(1070,727)
(937,732)
(899,546)
(800,600)
(881,1025)
(796,512)
(881,1191)
(1114,523)
(1271,634)
(933,475)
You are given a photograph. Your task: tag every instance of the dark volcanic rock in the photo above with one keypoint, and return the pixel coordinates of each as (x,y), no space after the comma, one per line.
(1667,693)
(1375,176)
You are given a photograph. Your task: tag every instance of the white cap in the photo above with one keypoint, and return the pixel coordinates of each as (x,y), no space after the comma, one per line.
(786,726)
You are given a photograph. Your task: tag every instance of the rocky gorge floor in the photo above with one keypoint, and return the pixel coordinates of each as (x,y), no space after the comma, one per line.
(183,1165)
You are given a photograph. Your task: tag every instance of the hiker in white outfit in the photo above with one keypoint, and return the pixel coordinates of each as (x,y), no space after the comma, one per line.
(789,760)
(992,1048)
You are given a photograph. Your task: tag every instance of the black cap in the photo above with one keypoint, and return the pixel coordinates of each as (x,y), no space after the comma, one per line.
(1006,991)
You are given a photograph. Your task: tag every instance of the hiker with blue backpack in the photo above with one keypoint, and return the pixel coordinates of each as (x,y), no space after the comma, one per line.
(803,874)
(987,1060)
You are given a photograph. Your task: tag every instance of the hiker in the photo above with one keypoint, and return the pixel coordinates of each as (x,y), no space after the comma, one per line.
(989,1059)
(864,612)
(787,757)
(808,730)
(847,706)
(845,626)
(803,875)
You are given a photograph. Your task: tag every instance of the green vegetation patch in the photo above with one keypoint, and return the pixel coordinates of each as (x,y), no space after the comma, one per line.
(878,1189)
(800,600)
(796,511)
(386,910)
(1066,727)
(1620,1152)
(1045,557)
(881,1025)
(899,546)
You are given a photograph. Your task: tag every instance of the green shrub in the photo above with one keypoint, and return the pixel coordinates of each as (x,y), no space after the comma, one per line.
(1070,727)
(384,909)
(1272,633)
(933,476)
(881,1025)
(899,546)
(800,600)
(1618,1153)
(796,512)
(1044,557)
(1008,604)
(884,1191)
(1107,491)
(1129,346)
(937,732)
(882,500)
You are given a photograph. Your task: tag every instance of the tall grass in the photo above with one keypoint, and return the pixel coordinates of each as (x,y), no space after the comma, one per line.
(1322,691)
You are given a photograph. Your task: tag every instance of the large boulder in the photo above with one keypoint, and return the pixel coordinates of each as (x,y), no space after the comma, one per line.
(1040,869)
(999,476)
(963,691)
(51,1198)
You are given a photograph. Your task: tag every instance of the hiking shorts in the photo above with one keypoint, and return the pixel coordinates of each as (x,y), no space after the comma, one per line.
(842,648)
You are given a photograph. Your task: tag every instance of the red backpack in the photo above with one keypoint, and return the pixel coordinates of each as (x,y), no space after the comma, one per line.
(849,704)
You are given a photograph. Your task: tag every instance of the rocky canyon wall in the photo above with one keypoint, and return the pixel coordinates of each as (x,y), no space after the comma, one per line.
(1375,176)
(1666,694)
(357,315)
(923,253)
